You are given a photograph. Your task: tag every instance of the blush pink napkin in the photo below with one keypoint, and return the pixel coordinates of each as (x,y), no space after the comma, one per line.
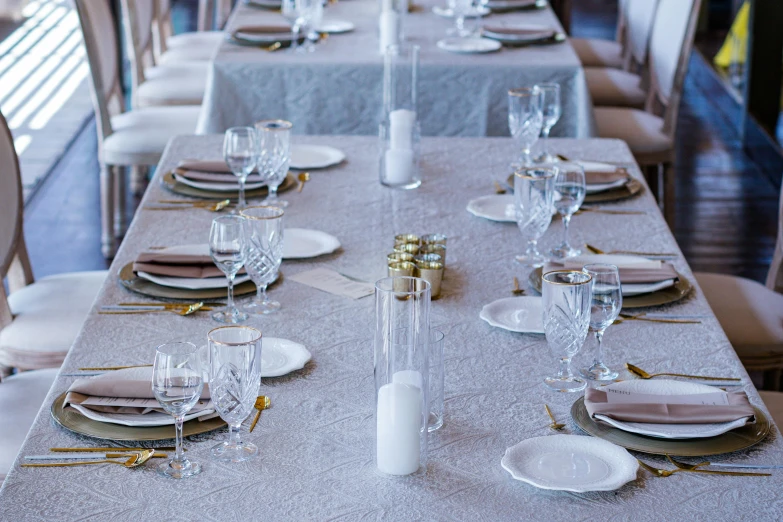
(738,408)
(520,31)
(177,265)
(601,177)
(634,275)
(211,171)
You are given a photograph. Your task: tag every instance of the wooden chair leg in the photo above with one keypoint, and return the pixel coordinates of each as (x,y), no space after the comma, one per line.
(108,241)
(669,199)
(120,198)
(138,179)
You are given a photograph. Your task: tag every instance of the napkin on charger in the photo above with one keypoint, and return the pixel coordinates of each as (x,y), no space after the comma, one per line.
(214,171)
(521,34)
(636,270)
(738,407)
(188,261)
(264,34)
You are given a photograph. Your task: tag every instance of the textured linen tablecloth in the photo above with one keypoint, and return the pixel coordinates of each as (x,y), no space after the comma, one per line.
(338,88)
(317,440)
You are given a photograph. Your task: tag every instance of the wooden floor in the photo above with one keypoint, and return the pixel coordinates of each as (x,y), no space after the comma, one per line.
(726,204)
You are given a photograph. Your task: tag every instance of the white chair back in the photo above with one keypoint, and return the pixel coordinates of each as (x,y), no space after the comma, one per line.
(640,15)
(775,275)
(162,26)
(137,20)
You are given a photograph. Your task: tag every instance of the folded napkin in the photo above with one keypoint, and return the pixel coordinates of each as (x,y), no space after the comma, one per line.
(188,261)
(126,391)
(211,171)
(263,33)
(523,34)
(512,4)
(738,407)
(602,177)
(643,271)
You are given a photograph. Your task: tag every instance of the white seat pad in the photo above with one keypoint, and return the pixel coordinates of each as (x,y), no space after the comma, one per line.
(141,135)
(177,85)
(188,54)
(21,396)
(750,313)
(48,315)
(614,88)
(197,38)
(641,130)
(595,52)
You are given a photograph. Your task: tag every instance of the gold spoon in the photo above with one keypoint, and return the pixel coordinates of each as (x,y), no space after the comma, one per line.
(499,188)
(659,472)
(206,205)
(262,403)
(516,290)
(644,375)
(272,48)
(596,250)
(180,310)
(555,425)
(303,177)
(629,317)
(134,460)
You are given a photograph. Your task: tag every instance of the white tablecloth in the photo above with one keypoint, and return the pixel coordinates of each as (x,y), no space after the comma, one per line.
(317,440)
(338,88)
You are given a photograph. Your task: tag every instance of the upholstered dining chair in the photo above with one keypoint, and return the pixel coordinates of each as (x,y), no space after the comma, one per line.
(773,400)
(600,52)
(751,314)
(39,320)
(178,83)
(650,132)
(200,45)
(133,139)
(627,87)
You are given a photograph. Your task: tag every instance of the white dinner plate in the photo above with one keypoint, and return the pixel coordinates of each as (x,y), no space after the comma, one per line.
(334,26)
(518,314)
(153,418)
(220,187)
(570,463)
(537,33)
(631,289)
(192,283)
(498,207)
(314,156)
(281,356)
(595,188)
(670,431)
(301,243)
(473,12)
(619,260)
(469,45)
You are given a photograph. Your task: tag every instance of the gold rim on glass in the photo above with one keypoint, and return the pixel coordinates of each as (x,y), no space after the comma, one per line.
(523,92)
(274,125)
(279,214)
(224,343)
(589,277)
(550,173)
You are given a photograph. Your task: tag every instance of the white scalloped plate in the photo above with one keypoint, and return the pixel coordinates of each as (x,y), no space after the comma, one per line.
(670,431)
(301,243)
(517,314)
(498,207)
(315,157)
(570,463)
(281,356)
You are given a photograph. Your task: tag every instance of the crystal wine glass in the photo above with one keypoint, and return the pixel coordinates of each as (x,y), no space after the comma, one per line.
(606,304)
(534,189)
(290,13)
(569,194)
(177,382)
(263,253)
(551,110)
(525,120)
(234,379)
(310,14)
(566,295)
(239,153)
(274,155)
(459,9)
(226,246)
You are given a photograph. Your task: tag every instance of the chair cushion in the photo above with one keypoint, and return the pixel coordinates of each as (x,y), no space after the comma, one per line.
(141,135)
(178,85)
(188,54)
(48,316)
(774,403)
(749,312)
(641,130)
(594,52)
(614,88)
(21,396)
(197,38)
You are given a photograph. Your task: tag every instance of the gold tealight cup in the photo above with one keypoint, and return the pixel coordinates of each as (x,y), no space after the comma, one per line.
(433,239)
(407,238)
(399,257)
(407,248)
(427,258)
(401,269)
(433,273)
(434,248)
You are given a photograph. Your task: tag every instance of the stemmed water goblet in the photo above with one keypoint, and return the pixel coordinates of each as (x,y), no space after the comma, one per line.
(239,153)
(534,189)
(607,301)
(569,194)
(459,10)
(525,120)
(551,110)
(177,382)
(274,155)
(305,16)
(226,246)
(566,295)
(234,380)
(263,253)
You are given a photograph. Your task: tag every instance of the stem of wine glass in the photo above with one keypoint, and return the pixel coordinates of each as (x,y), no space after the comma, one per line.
(230,300)
(566,222)
(599,355)
(526,155)
(565,368)
(179,455)
(532,248)
(262,293)
(295,30)
(241,203)
(272,197)
(545,141)
(233,434)
(460,23)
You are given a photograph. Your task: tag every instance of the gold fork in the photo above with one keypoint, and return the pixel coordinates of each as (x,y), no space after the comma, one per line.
(134,460)
(516,290)
(629,317)
(554,424)
(499,189)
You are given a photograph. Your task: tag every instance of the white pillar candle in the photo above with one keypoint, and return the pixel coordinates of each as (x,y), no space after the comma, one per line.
(398,429)
(386,5)
(399,166)
(401,123)
(388,23)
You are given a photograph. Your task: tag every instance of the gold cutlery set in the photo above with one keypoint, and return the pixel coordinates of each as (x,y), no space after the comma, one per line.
(146,308)
(596,250)
(128,457)
(695,468)
(179,204)
(644,375)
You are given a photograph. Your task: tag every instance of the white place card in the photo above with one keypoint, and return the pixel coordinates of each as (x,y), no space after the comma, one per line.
(334,283)
(718,398)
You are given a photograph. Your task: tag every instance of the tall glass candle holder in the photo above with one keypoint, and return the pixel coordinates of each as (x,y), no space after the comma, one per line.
(391,23)
(399,129)
(402,336)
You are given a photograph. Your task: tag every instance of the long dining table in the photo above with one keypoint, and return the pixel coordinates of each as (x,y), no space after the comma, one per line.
(317,440)
(338,88)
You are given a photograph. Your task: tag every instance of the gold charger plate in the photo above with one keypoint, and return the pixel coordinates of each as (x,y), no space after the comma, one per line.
(681,288)
(631,188)
(132,282)
(175,186)
(733,440)
(72,420)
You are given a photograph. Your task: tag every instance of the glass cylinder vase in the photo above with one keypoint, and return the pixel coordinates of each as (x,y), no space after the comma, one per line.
(399,129)
(391,23)
(402,335)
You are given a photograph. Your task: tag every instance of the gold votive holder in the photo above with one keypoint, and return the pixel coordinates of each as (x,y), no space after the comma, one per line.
(434,248)
(401,269)
(407,248)
(399,257)
(427,258)
(433,239)
(433,273)
(407,238)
